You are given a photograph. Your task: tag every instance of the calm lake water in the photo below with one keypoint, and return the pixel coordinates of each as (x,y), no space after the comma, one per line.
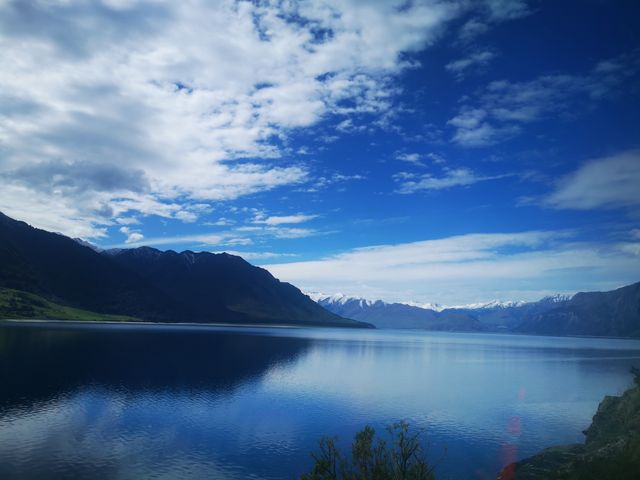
(131,402)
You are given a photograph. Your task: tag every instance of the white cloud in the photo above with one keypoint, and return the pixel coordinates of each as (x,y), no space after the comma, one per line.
(285,219)
(133,236)
(126,108)
(207,239)
(608,182)
(435,158)
(502,108)
(456,177)
(473,129)
(414,158)
(242,235)
(631,248)
(507,9)
(221,222)
(257,255)
(468,268)
(459,68)
(489,12)
(127,221)
(484,134)
(472,28)
(418,159)
(185,216)
(36,208)
(278,232)
(326,181)
(348,126)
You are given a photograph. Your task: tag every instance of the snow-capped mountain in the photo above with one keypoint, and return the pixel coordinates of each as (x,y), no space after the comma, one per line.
(557,298)
(342,299)
(496,315)
(396,315)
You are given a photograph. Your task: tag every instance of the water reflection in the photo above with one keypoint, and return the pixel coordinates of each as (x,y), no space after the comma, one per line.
(130,402)
(38,361)
(134,402)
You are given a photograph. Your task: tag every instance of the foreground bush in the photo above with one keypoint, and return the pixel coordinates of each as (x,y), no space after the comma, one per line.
(401,458)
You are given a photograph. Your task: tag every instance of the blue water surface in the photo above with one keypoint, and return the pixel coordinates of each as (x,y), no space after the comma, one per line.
(151,401)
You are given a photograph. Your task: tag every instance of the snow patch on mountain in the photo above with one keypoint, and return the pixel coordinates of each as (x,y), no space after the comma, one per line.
(558,298)
(342,299)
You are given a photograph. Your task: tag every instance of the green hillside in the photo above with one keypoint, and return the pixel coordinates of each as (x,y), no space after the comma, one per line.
(15,304)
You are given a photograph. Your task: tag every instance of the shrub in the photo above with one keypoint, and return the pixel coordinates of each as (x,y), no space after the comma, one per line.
(401,458)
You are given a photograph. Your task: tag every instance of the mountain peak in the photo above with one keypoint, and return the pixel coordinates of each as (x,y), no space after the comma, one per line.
(557,298)
(341,298)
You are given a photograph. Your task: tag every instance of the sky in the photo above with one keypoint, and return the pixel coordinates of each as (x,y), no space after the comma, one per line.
(448,152)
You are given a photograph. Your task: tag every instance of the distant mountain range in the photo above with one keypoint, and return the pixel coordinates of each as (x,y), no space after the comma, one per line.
(398,315)
(44,273)
(615,313)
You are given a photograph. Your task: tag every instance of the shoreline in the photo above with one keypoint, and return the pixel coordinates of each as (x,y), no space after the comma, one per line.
(145,323)
(14,321)
(610,450)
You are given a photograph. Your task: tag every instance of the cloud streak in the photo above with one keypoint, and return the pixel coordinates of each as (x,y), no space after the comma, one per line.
(452,177)
(472,62)
(469,268)
(503,108)
(285,219)
(608,182)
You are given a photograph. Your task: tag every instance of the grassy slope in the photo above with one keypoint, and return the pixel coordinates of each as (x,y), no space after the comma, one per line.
(15,304)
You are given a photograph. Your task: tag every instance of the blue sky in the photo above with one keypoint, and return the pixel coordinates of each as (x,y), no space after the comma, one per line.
(438,151)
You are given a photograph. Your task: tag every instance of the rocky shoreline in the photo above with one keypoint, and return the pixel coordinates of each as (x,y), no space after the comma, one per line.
(611,449)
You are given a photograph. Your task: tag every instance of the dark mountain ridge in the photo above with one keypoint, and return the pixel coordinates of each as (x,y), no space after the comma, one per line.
(150,284)
(222,286)
(59,269)
(615,313)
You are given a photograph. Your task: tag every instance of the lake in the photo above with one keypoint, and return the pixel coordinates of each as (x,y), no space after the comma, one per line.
(140,401)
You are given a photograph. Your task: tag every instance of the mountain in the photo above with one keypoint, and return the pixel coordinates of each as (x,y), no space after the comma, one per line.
(506,316)
(223,286)
(398,315)
(60,270)
(615,313)
(146,283)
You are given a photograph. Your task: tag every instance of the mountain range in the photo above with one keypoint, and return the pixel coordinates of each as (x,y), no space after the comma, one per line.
(398,315)
(49,275)
(615,313)
(44,272)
